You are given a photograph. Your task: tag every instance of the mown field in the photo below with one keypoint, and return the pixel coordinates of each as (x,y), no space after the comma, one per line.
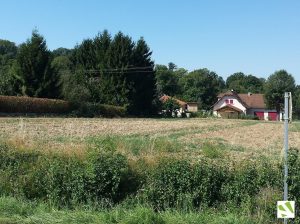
(69,170)
(236,139)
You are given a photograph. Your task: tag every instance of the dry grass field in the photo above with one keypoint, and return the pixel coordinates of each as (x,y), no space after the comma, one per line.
(236,139)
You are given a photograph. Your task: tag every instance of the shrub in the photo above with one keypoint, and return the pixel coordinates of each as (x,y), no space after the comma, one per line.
(248,117)
(105,177)
(169,184)
(65,180)
(16,104)
(202,114)
(99,110)
(179,184)
(207,182)
(294,179)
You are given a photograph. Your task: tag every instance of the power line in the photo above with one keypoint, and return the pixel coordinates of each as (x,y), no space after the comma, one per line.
(120,69)
(118,72)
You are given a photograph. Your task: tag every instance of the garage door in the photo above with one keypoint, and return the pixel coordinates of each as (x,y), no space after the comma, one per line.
(272,116)
(259,114)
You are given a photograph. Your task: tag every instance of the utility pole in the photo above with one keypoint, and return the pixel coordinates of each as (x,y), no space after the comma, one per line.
(286,146)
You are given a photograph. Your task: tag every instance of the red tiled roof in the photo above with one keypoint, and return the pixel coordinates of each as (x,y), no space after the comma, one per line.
(164,98)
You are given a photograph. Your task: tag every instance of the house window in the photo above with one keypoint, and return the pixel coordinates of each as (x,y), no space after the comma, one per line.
(231,101)
(227,101)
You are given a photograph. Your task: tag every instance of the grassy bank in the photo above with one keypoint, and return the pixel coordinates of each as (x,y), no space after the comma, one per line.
(108,182)
(159,171)
(13,211)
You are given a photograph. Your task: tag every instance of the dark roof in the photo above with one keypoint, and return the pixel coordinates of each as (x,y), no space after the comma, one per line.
(249,100)
(253,100)
(228,93)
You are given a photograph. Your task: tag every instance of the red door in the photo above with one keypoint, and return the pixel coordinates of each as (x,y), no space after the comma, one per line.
(272,116)
(260,115)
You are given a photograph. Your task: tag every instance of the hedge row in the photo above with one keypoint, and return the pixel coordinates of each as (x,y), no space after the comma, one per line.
(109,177)
(99,110)
(17,104)
(31,105)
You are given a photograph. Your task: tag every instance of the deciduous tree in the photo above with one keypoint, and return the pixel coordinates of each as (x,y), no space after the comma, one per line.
(276,85)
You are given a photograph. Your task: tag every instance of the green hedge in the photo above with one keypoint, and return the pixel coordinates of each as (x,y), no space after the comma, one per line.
(99,110)
(102,177)
(63,180)
(16,104)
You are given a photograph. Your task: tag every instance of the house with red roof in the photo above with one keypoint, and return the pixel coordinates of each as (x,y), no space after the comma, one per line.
(184,106)
(233,105)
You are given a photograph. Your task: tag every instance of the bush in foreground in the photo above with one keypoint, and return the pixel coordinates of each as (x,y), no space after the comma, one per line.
(101,178)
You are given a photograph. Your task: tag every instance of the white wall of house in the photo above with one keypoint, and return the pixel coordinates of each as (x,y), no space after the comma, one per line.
(222,103)
(192,107)
(236,103)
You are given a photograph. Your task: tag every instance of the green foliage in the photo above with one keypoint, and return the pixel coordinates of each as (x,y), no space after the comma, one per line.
(202,114)
(64,180)
(201,86)
(99,110)
(8,51)
(169,185)
(62,52)
(167,79)
(181,185)
(248,117)
(34,70)
(242,83)
(170,105)
(296,103)
(74,87)
(117,71)
(14,210)
(7,48)
(276,85)
(103,177)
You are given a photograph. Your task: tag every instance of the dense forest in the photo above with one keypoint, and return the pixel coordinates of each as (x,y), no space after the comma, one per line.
(117,70)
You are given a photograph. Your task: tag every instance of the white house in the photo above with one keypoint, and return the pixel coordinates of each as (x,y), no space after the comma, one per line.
(231,104)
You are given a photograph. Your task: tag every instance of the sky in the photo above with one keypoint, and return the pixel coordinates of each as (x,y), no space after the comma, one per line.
(256,37)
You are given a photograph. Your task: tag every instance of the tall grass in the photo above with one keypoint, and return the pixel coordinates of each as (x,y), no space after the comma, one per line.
(103,178)
(14,210)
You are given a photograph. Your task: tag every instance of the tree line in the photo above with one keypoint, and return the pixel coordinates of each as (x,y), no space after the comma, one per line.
(203,86)
(119,71)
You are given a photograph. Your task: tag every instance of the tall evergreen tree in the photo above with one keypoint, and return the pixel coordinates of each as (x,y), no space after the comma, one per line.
(8,84)
(34,68)
(120,59)
(142,81)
